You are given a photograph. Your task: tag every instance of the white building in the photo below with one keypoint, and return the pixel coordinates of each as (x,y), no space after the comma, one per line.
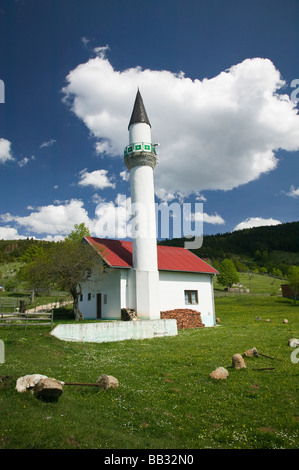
(185,282)
(140,275)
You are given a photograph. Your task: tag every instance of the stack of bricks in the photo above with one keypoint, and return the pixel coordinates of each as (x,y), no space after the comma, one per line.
(186,318)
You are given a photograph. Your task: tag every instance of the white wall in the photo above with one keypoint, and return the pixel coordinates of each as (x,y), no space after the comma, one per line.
(172,293)
(108,284)
(119,286)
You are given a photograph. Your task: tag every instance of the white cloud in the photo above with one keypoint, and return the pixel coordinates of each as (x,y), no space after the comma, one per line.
(47,143)
(256,222)
(9,233)
(98,179)
(113,218)
(125,175)
(215,219)
(168,196)
(216,133)
(53,238)
(293,192)
(85,40)
(52,219)
(55,221)
(5,151)
(97,199)
(101,51)
(23,162)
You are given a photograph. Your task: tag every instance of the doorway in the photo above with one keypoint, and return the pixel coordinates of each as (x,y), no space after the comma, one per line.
(99,306)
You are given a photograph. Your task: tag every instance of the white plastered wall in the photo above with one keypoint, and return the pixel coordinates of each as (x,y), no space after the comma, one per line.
(172,293)
(119,286)
(110,286)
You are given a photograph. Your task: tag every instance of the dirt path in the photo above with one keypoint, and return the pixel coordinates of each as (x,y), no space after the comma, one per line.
(49,306)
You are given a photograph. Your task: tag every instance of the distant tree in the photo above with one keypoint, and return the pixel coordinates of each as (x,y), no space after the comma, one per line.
(66,265)
(11,284)
(228,274)
(276,272)
(293,278)
(35,272)
(79,231)
(32,252)
(263,270)
(215,263)
(240,266)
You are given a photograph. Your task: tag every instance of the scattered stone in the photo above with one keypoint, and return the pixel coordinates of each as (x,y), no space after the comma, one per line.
(238,362)
(267,320)
(251,352)
(219,374)
(218,320)
(107,381)
(128,314)
(28,381)
(293,342)
(48,389)
(285,321)
(257,318)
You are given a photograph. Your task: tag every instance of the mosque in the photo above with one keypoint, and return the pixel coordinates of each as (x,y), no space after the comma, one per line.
(140,275)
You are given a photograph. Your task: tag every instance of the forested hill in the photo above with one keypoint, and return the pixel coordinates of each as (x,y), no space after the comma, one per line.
(252,243)
(13,250)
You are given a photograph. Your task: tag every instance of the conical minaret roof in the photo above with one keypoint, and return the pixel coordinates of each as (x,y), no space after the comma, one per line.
(139,113)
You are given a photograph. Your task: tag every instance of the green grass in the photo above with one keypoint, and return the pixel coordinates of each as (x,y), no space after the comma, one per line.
(165,398)
(257,283)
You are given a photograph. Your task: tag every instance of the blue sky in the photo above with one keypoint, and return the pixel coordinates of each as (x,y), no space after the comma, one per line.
(219,80)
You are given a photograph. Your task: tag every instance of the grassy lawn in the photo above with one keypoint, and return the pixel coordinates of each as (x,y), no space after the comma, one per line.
(165,398)
(257,283)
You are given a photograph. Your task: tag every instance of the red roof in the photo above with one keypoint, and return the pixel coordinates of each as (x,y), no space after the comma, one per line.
(118,254)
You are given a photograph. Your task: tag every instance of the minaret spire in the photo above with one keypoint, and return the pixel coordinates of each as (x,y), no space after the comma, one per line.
(139,113)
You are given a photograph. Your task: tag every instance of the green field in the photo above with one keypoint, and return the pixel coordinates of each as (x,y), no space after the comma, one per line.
(257,283)
(165,398)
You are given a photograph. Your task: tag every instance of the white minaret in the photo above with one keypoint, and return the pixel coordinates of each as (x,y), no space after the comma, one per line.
(140,159)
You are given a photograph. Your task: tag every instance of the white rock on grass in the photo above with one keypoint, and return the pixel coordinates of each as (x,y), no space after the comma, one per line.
(219,374)
(293,342)
(28,381)
(107,381)
(48,388)
(238,362)
(251,352)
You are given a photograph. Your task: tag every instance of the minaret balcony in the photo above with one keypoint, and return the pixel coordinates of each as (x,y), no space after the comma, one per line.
(139,147)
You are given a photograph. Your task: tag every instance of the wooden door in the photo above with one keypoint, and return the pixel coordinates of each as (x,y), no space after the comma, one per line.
(99,305)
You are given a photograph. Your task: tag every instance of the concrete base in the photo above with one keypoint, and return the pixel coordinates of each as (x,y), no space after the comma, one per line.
(105,332)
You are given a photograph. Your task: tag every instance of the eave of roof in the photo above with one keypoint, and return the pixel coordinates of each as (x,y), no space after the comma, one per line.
(118,254)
